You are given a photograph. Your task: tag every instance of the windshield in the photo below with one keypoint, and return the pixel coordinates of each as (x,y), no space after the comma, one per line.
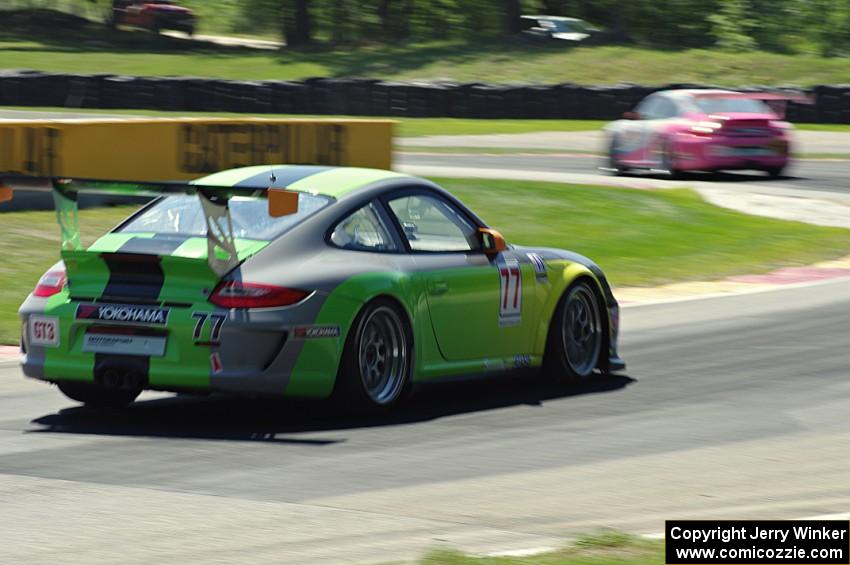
(562,26)
(731,105)
(182,214)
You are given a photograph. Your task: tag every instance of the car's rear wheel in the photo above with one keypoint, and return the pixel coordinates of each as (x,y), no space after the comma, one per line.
(774,172)
(97,396)
(614,163)
(668,161)
(377,359)
(575,335)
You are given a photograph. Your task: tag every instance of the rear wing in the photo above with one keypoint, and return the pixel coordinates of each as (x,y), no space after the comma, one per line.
(777,100)
(786,96)
(221,247)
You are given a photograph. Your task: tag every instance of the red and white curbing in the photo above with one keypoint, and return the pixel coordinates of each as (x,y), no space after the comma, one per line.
(9,353)
(742,284)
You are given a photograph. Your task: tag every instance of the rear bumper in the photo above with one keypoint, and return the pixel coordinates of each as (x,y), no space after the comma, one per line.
(259,352)
(697,153)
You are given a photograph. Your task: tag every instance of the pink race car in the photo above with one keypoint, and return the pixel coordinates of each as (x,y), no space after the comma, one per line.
(702,130)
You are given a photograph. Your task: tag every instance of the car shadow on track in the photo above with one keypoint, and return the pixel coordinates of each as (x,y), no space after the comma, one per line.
(718,176)
(242,419)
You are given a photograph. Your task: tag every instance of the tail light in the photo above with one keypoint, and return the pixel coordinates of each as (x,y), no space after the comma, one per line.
(706,129)
(52,282)
(780,125)
(238,294)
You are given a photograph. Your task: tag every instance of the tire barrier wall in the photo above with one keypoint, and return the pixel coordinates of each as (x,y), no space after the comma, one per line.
(186,148)
(364,97)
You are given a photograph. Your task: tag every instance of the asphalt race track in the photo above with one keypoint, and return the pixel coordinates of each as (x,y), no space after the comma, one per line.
(825,175)
(732,407)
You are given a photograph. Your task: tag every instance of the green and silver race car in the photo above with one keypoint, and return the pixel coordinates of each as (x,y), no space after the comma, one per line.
(305,281)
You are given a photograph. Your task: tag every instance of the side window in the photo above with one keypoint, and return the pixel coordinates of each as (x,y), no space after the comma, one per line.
(666,109)
(648,109)
(431,224)
(363,230)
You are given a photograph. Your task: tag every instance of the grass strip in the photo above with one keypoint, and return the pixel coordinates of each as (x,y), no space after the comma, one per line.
(603,548)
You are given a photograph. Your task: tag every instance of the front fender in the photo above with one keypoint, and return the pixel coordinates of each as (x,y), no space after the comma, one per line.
(564,274)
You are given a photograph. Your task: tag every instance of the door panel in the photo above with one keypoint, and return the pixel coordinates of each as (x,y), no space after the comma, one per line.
(480,309)
(463,296)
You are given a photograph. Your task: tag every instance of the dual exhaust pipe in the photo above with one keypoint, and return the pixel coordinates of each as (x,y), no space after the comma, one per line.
(119,378)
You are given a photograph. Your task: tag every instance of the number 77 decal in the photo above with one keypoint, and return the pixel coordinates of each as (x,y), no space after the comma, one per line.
(216,322)
(510,295)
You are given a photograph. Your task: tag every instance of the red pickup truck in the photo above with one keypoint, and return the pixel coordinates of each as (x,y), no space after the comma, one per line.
(154,15)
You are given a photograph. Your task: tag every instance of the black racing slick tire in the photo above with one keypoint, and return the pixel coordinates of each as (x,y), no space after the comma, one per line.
(617,168)
(775,172)
(576,335)
(97,396)
(377,360)
(667,162)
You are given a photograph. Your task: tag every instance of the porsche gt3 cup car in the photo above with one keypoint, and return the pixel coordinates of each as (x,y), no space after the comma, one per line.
(702,130)
(306,281)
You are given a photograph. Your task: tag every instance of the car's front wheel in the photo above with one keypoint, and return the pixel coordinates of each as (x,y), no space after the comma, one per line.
(377,359)
(576,335)
(97,396)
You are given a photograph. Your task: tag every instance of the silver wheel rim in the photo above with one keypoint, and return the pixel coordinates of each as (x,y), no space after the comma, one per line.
(581,335)
(382,355)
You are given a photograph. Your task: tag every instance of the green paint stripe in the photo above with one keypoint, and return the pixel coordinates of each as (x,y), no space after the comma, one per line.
(68,361)
(184,363)
(231,177)
(339,182)
(196,248)
(112,242)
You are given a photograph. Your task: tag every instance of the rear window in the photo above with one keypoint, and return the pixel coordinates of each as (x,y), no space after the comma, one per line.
(182,214)
(731,105)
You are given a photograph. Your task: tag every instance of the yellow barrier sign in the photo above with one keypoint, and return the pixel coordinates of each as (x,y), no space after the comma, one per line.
(186,148)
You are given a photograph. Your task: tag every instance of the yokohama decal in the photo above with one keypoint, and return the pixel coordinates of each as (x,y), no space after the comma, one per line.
(123,313)
(310,332)
(510,295)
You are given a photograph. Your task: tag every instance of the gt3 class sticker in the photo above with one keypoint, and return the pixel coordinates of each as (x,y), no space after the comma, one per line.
(510,301)
(44,330)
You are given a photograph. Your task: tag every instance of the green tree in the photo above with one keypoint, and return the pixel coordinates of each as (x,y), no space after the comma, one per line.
(297,23)
(732,27)
(512,12)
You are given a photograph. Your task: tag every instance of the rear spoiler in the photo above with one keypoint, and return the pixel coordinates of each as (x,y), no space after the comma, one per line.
(221,247)
(783,96)
(777,100)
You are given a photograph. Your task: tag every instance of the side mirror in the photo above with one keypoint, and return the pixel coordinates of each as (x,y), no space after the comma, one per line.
(492,242)
(631,115)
